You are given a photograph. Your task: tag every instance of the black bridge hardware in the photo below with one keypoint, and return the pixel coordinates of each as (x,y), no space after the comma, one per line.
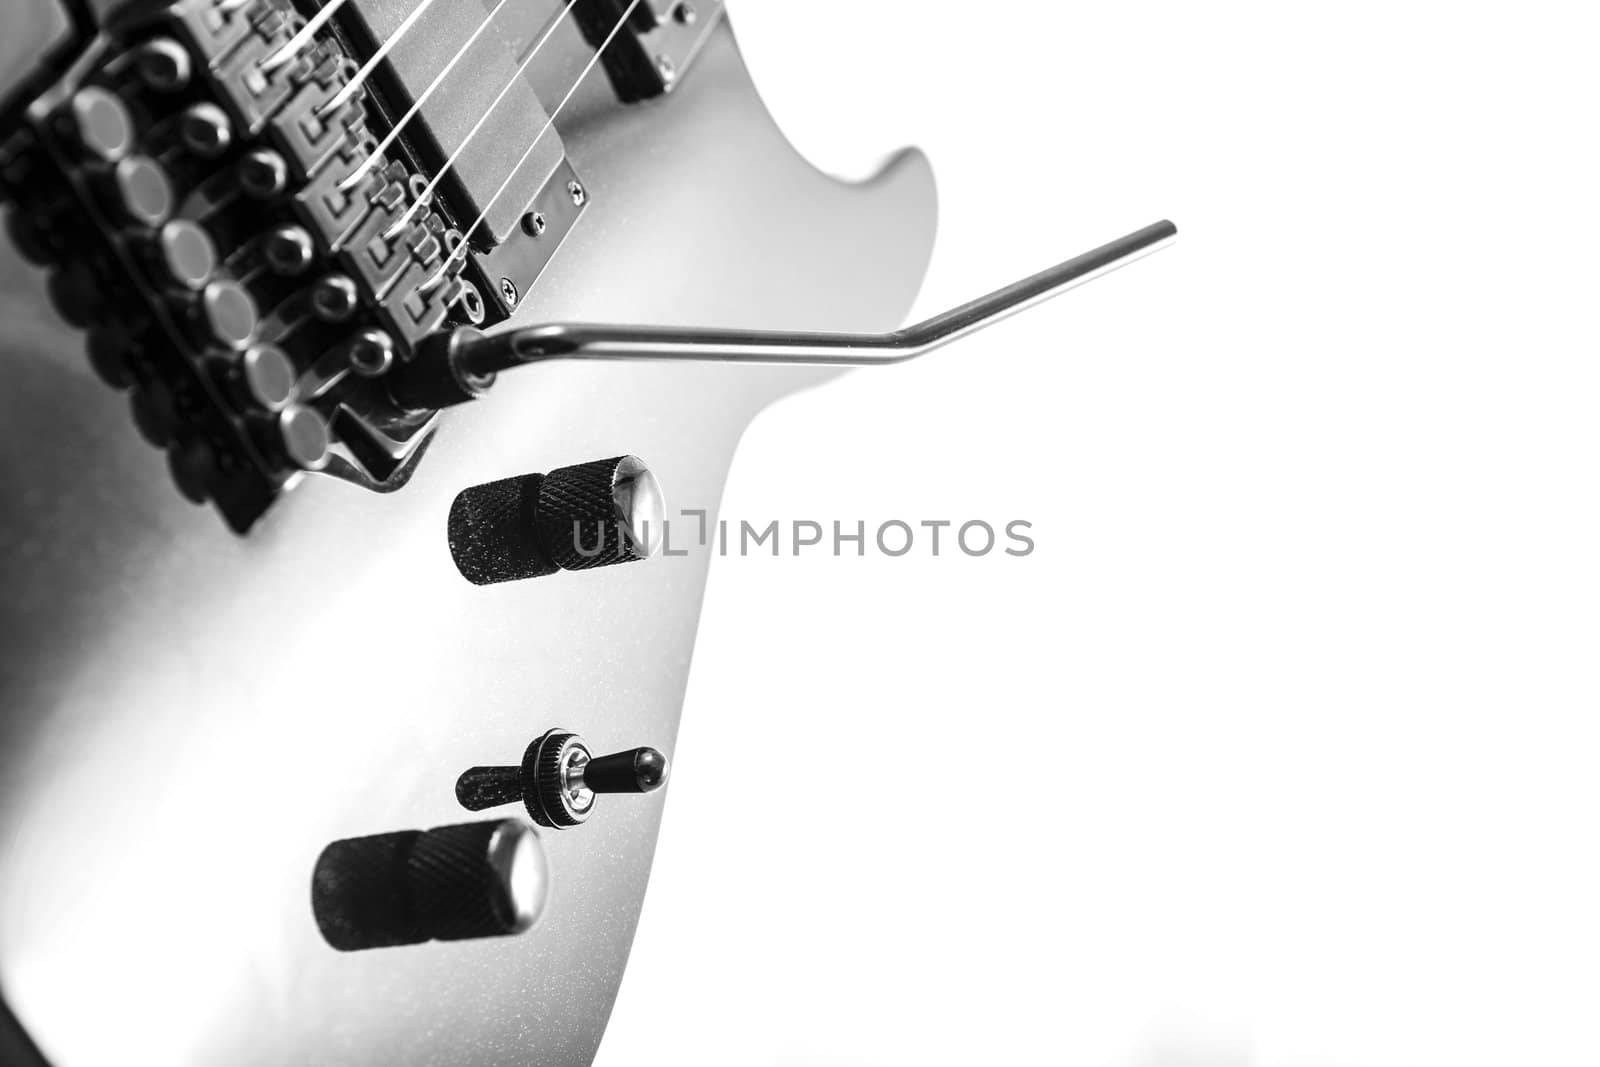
(522,191)
(663,39)
(239,265)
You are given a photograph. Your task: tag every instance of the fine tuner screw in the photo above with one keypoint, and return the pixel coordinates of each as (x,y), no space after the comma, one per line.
(559,779)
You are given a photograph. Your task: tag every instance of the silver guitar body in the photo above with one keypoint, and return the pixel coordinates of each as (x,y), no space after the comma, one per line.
(190,716)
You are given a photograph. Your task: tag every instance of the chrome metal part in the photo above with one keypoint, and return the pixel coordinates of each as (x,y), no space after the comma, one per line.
(485,356)
(559,778)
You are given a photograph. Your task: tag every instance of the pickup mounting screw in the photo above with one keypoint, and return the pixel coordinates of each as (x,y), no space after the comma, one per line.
(508,289)
(686,14)
(534,224)
(576,191)
(668,71)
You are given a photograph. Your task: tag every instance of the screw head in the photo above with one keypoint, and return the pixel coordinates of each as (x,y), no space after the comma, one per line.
(577,192)
(686,14)
(206,130)
(372,354)
(335,298)
(164,65)
(508,290)
(288,250)
(667,69)
(534,224)
(263,173)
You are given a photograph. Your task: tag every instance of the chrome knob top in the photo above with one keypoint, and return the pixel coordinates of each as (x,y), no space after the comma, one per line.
(559,779)
(600,513)
(576,518)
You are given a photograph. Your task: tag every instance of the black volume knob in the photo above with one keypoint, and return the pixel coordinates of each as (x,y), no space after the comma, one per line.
(559,778)
(482,879)
(575,518)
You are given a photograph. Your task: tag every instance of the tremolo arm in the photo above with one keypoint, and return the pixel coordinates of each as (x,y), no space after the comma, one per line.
(460,366)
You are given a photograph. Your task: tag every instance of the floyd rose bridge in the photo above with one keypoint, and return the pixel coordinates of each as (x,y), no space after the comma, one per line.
(294,231)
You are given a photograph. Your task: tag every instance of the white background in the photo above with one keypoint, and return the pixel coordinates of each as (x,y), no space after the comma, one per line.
(1280,749)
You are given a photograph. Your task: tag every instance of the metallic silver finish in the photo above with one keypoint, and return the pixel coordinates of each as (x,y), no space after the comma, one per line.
(164,65)
(578,341)
(337,651)
(372,354)
(579,797)
(206,130)
(640,504)
(472,302)
(518,860)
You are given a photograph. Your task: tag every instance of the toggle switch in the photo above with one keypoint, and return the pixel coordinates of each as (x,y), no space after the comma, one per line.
(559,779)
(577,518)
(451,883)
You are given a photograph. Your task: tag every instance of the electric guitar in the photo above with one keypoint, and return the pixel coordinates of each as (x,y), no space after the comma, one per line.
(348,346)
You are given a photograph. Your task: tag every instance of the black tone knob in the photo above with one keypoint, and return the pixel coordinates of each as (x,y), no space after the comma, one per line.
(451,883)
(576,518)
(559,779)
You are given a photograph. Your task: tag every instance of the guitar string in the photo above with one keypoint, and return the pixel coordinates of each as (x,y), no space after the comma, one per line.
(359,79)
(326,13)
(427,192)
(312,27)
(394,133)
(354,86)
(466,237)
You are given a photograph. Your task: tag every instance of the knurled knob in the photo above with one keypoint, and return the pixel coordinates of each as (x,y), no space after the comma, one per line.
(451,883)
(577,518)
